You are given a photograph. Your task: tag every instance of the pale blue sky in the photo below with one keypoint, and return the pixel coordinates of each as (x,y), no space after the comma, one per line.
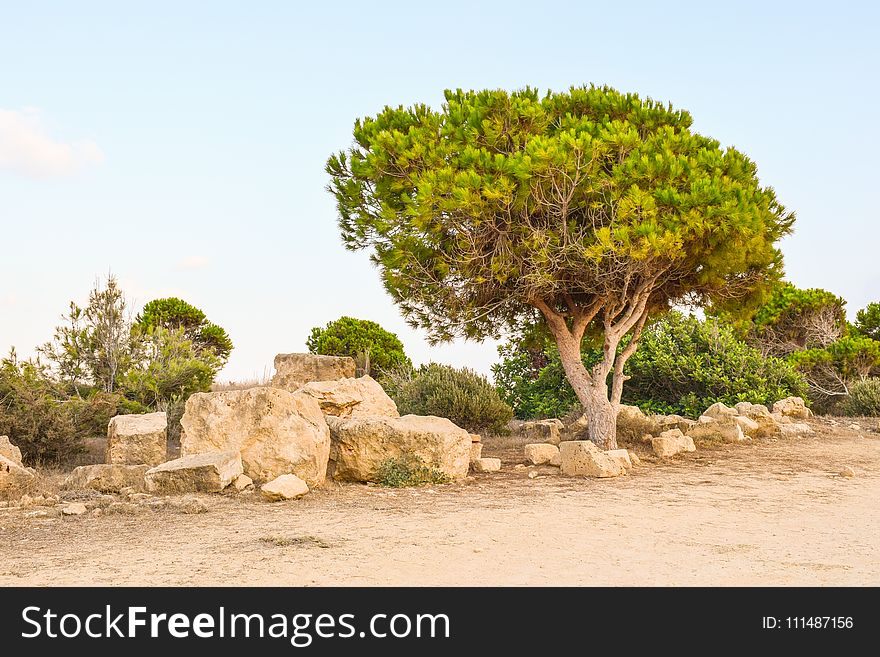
(182,144)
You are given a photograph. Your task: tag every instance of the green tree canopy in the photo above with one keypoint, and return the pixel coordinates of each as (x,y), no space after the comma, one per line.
(868,321)
(587,206)
(373,347)
(793,320)
(175,314)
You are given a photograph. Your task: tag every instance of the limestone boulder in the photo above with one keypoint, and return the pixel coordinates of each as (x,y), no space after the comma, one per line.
(622,456)
(208,472)
(795,429)
(720,411)
(13,475)
(748,425)
(726,430)
(243,482)
(544,431)
(351,397)
(666,422)
(107,477)
(793,407)
(672,442)
(581,458)
(632,423)
(487,465)
(285,487)
(758,413)
(276,431)
(361,445)
(137,439)
(540,453)
(10,451)
(293,371)
(476,452)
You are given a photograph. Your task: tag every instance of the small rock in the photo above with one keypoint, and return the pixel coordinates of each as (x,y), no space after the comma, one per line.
(285,487)
(795,428)
(487,465)
(792,407)
(519,466)
(97,512)
(669,443)
(540,453)
(855,426)
(719,411)
(74,509)
(243,482)
(634,458)
(475,438)
(556,460)
(127,490)
(581,458)
(622,456)
(847,471)
(476,452)
(547,431)
(532,474)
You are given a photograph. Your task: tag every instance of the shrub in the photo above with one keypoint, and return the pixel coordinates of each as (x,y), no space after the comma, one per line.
(374,348)
(863,399)
(462,395)
(408,470)
(793,319)
(683,365)
(833,370)
(868,321)
(36,415)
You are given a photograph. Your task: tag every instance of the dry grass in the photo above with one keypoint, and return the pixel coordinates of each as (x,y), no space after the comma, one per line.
(257,381)
(279,540)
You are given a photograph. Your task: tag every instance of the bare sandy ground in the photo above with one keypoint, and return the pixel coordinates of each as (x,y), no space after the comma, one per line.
(770,513)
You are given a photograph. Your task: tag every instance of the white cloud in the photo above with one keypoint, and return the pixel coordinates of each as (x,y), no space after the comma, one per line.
(27,150)
(193,262)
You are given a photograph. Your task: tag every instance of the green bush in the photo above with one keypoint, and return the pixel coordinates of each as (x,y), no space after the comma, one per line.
(36,414)
(868,321)
(863,399)
(530,378)
(833,370)
(408,471)
(462,395)
(683,365)
(376,350)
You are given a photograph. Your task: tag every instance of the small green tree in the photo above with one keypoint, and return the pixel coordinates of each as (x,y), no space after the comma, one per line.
(584,207)
(374,348)
(793,320)
(175,314)
(832,371)
(93,347)
(868,321)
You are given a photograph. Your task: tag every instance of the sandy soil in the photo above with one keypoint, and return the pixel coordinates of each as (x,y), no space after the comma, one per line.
(771,513)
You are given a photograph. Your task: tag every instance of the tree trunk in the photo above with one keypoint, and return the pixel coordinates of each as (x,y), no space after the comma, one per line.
(599,412)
